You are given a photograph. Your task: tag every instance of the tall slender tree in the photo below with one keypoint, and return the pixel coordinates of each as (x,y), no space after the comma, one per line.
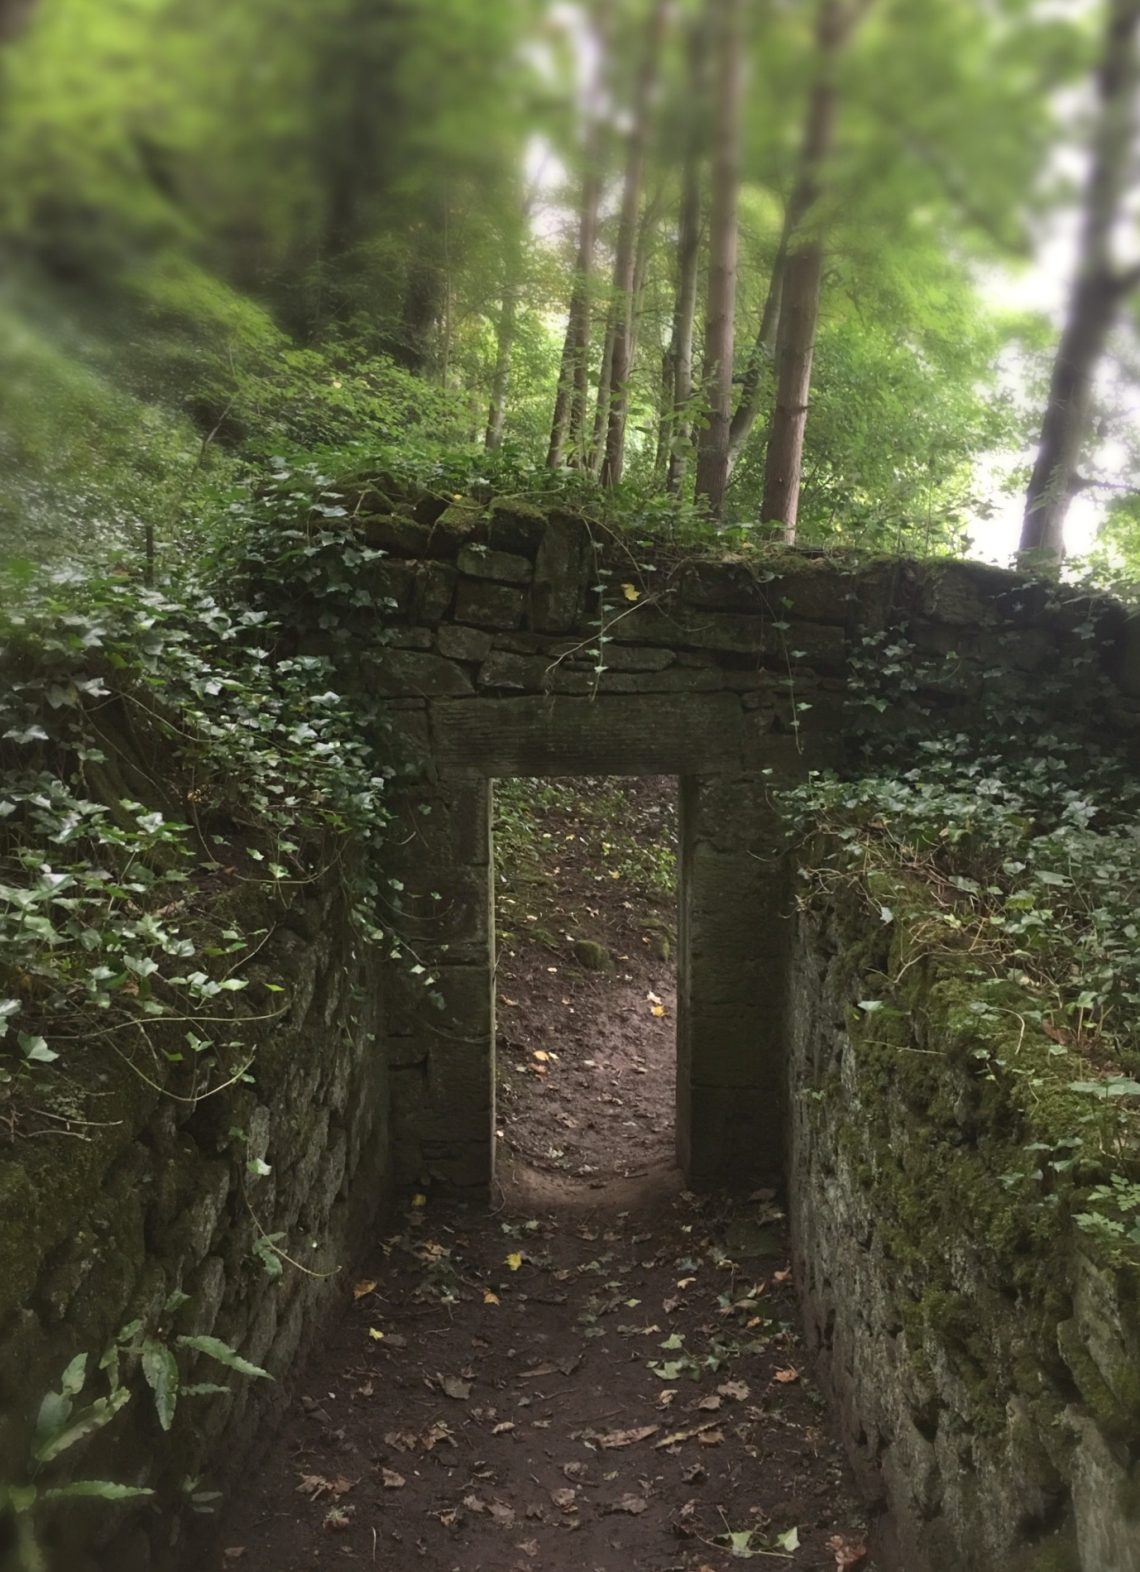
(1099,288)
(568,427)
(677,421)
(720,315)
(625,257)
(802,275)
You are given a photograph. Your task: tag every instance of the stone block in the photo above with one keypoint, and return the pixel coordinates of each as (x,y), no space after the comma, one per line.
(516,525)
(533,674)
(489,605)
(561,574)
(629,657)
(737,633)
(459,643)
(397,533)
(399,673)
(567,735)
(733,1135)
(391,585)
(435,589)
(480,562)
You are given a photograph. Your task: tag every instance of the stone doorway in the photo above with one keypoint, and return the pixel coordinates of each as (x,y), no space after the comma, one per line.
(733,907)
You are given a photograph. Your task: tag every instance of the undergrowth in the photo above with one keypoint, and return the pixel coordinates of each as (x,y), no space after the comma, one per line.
(170,766)
(1022,841)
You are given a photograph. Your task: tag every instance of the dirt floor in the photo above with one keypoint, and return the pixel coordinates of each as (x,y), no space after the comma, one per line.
(601,1371)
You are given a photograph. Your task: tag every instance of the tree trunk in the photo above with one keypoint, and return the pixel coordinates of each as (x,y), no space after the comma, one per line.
(597,451)
(720,315)
(568,427)
(762,352)
(795,345)
(802,275)
(833,29)
(500,382)
(1097,293)
(688,261)
(625,260)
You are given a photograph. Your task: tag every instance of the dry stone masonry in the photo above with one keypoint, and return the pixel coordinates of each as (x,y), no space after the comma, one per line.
(495,641)
(519,643)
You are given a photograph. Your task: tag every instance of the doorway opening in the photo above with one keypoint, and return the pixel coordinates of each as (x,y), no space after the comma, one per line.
(585,892)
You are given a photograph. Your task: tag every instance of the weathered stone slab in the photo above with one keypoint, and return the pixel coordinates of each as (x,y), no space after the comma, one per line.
(490,605)
(459,643)
(435,587)
(399,638)
(533,674)
(561,573)
(631,657)
(480,562)
(516,525)
(733,632)
(399,672)
(567,735)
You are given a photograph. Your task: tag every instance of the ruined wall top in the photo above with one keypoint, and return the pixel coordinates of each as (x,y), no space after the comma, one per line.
(515,641)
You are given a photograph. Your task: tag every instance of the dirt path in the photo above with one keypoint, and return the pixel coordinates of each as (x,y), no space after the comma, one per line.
(600,1372)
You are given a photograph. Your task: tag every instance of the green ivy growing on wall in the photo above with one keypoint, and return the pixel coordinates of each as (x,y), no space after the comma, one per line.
(166,756)
(1020,839)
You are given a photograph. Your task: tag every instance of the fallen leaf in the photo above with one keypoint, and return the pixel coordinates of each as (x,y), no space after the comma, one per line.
(437,1433)
(489,1298)
(392,1480)
(847,1552)
(665,1398)
(634,1505)
(630,592)
(454,1387)
(366,1287)
(711,1437)
(709,1404)
(740,1390)
(502,1427)
(788,1541)
(419,1200)
(502,1514)
(782,1277)
(316,1485)
(658,1010)
(541,1055)
(529,1547)
(338,1518)
(514,1260)
(473,1504)
(678,1436)
(566,1500)
(233,1552)
(375,1334)
(785,1377)
(617,1438)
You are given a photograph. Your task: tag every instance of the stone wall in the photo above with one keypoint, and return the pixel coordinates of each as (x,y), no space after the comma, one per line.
(498,640)
(981,1355)
(104,1222)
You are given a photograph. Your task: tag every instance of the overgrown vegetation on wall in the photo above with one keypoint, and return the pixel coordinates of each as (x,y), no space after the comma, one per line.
(1019,840)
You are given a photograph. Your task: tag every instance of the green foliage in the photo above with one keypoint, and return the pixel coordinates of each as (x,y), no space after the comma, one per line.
(61,1426)
(104,865)
(1019,838)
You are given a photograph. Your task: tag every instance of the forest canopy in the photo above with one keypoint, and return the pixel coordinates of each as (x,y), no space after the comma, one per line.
(780,266)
